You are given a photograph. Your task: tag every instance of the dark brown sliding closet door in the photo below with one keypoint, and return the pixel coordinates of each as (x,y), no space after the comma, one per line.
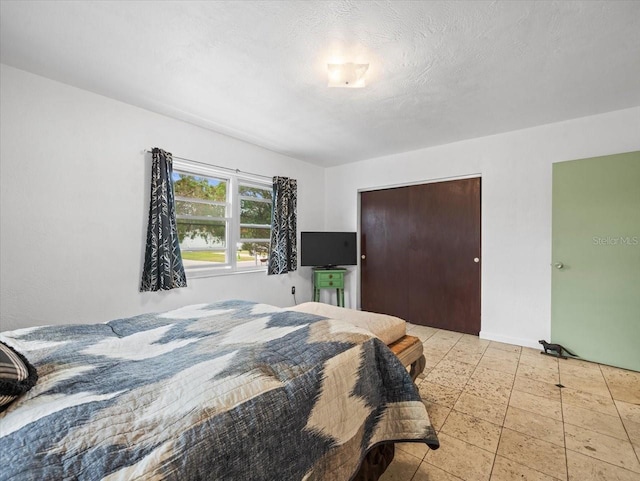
(421,248)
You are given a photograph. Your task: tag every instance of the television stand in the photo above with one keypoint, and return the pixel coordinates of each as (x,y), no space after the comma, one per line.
(329,278)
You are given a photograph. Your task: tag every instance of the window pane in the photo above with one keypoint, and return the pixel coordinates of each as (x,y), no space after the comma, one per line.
(203,258)
(253,254)
(252,212)
(257,192)
(199,187)
(202,210)
(254,233)
(201,234)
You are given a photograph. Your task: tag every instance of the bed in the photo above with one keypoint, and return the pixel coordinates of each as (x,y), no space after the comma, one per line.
(232,390)
(389,329)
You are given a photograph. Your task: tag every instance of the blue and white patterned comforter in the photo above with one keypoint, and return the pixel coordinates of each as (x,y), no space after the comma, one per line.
(230,391)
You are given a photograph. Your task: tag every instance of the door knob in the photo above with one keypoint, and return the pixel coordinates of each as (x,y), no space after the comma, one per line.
(476,260)
(558,265)
(363,256)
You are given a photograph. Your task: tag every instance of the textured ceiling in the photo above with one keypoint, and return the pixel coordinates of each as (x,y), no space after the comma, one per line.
(256,70)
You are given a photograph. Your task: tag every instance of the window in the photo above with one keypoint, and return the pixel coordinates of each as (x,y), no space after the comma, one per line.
(255,222)
(224,221)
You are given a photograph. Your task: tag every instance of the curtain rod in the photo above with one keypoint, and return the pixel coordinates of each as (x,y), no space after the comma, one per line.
(237,171)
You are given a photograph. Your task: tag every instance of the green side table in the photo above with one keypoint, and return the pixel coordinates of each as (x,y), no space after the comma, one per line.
(329,279)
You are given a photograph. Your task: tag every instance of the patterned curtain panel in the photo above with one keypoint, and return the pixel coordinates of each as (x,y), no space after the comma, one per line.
(163,268)
(283,255)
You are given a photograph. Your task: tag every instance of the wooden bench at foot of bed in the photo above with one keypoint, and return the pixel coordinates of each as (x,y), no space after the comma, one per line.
(409,350)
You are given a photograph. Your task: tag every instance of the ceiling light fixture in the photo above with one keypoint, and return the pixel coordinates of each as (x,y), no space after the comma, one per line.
(347,75)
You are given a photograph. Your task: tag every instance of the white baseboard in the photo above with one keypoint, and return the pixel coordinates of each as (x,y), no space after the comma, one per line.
(490,336)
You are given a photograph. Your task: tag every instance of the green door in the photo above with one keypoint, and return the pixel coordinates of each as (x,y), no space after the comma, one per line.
(595,295)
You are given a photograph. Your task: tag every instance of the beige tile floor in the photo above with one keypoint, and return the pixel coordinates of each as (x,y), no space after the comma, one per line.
(500,417)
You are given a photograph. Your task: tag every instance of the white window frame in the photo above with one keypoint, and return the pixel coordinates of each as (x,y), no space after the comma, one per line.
(231,218)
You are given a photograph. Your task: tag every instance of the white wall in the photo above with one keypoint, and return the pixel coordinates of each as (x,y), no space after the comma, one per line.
(74,200)
(516,174)
(73,206)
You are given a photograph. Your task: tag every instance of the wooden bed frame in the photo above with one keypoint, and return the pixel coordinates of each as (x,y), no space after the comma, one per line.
(410,352)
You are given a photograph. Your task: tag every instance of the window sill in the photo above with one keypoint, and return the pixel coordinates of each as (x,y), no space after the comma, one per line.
(217,272)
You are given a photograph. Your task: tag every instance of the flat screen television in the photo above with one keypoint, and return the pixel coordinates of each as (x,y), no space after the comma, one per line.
(327,249)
